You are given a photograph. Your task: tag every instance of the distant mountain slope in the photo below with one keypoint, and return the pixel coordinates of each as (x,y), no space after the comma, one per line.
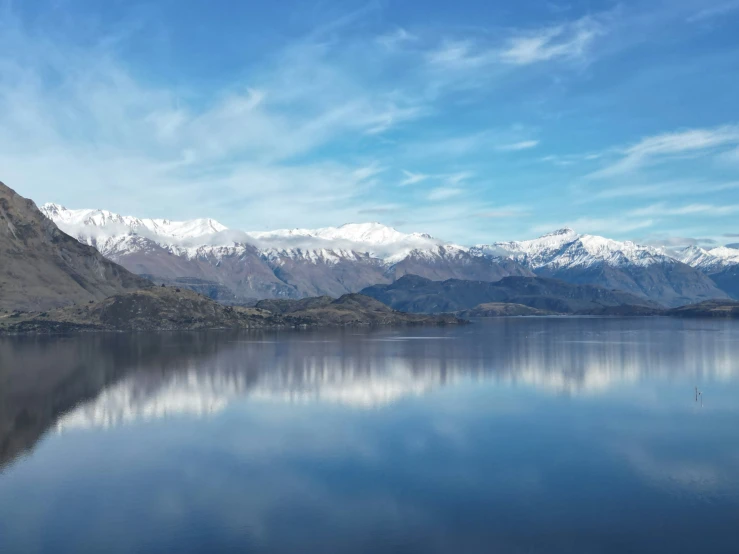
(239,267)
(721,264)
(168,309)
(41,267)
(728,281)
(502,309)
(419,295)
(588,259)
(710,261)
(712,308)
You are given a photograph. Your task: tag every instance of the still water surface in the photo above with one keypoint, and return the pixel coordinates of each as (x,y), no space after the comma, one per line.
(547,435)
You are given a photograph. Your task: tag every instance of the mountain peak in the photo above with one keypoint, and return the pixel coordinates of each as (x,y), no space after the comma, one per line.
(564,231)
(369,233)
(71,221)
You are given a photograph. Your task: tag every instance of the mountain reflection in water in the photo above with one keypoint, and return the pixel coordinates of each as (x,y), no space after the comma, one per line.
(553,418)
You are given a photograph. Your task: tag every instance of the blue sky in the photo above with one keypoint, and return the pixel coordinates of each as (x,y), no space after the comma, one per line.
(471,120)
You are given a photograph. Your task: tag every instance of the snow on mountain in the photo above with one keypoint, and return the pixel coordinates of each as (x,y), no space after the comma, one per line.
(115,224)
(364,233)
(335,260)
(114,234)
(333,243)
(565,248)
(709,261)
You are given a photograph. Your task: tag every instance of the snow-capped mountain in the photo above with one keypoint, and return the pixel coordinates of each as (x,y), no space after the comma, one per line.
(566,249)
(621,265)
(115,224)
(710,261)
(112,231)
(238,266)
(721,264)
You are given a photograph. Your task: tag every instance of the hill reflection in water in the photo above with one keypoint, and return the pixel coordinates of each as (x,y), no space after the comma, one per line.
(521,435)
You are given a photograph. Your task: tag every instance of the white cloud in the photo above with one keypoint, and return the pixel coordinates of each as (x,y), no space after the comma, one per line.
(396,38)
(78,128)
(516,146)
(602,225)
(714,11)
(663,210)
(504,212)
(444,193)
(562,42)
(460,54)
(457,178)
(658,189)
(412,178)
(364,173)
(656,148)
(559,42)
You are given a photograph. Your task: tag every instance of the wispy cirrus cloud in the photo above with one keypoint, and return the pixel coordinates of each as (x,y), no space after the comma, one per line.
(676,243)
(504,212)
(457,178)
(77,123)
(396,38)
(569,41)
(602,225)
(563,42)
(658,148)
(444,193)
(664,210)
(516,146)
(677,187)
(712,12)
(413,178)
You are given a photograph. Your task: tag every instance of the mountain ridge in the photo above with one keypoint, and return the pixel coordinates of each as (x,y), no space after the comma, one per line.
(294,263)
(243,267)
(418,295)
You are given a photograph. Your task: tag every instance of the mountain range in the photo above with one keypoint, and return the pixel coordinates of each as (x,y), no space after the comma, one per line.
(50,283)
(240,267)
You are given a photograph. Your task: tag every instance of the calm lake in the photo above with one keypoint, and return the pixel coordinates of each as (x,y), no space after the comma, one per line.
(520,435)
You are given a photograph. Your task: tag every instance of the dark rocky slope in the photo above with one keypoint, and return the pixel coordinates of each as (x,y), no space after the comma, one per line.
(714,308)
(670,284)
(727,280)
(502,309)
(41,267)
(167,309)
(415,294)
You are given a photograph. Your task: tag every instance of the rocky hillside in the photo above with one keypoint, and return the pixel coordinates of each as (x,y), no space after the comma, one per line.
(42,267)
(418,295)
(169,309)
(718,309)
(502,309)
